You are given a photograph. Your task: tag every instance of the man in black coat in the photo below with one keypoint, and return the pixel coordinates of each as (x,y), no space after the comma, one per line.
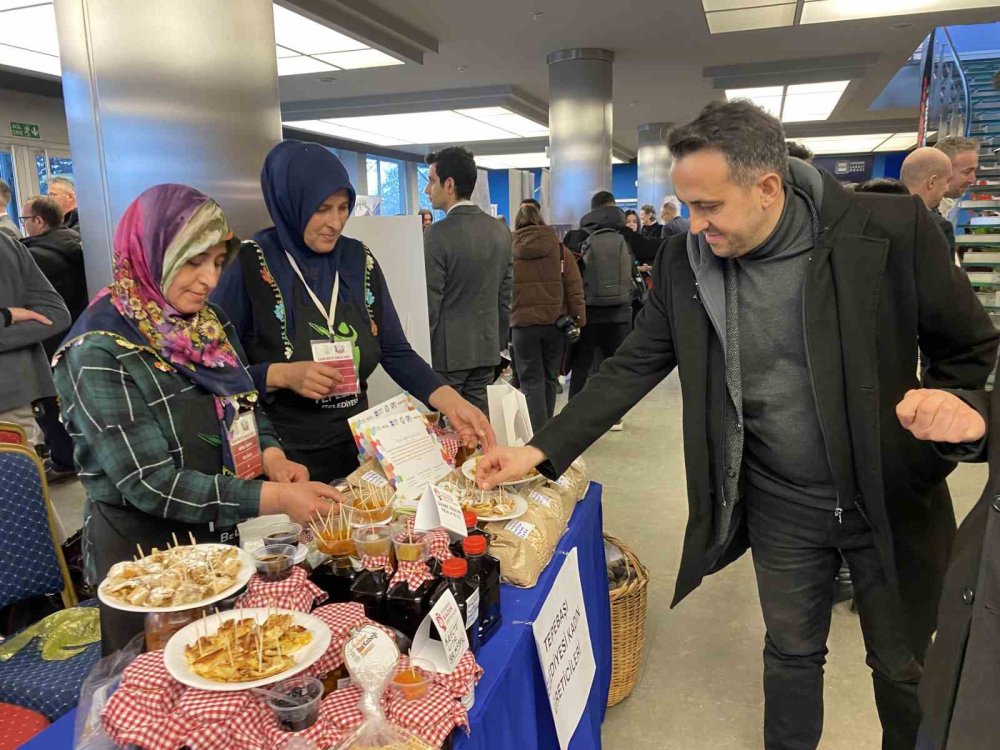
(794,310)
(961,685)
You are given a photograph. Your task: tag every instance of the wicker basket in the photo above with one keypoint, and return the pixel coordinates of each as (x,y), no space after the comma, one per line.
(628,626)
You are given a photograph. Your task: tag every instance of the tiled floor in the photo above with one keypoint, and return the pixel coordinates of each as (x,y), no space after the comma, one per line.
(701,682)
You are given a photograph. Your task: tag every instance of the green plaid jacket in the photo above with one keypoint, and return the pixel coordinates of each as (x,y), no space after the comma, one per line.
(119,403)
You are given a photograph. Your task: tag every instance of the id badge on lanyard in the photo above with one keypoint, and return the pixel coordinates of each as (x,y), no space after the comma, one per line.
(337,354)
(244,445)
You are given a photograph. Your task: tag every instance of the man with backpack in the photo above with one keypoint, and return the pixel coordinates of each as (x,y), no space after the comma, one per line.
(607,265)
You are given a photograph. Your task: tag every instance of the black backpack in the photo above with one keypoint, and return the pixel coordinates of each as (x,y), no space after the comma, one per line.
(607,269)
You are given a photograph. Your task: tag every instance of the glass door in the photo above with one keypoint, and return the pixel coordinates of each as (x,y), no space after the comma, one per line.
(9,176)
(51,163)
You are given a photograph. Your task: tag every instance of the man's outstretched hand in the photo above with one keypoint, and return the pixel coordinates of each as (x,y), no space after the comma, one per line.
(506,465)
(940,417)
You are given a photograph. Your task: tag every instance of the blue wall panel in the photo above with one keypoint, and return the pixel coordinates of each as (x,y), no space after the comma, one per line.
(500,191)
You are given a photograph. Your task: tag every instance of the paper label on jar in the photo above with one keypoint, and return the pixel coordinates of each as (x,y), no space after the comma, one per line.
(472,609)
(375,479)
(370,654)
(520,529)
(541,499)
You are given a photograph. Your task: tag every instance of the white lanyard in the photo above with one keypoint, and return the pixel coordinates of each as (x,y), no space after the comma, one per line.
(332,312)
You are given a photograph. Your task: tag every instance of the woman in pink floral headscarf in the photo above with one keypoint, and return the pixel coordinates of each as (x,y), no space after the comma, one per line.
(168,433)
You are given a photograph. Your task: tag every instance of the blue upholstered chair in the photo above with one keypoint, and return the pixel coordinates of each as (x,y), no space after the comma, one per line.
(31,564)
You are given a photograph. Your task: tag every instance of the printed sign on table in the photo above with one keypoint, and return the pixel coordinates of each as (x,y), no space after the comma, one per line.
(562,635)
(439,508)
(451,643)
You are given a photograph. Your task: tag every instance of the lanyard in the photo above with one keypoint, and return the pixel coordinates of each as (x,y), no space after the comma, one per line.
(328,314)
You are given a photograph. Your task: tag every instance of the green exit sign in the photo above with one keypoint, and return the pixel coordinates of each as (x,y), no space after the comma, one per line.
(25,130)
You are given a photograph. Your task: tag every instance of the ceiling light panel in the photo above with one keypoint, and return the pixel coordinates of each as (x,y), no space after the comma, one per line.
(768,97)
(514,161)
(359,58)
(500,117)
(748,18)
(848,144)
(32,28)
(339,131)
(812,101)
(284,52)
(824,11)
(425,127)
(898,142)
(300,64)
(307,37)
(16,57)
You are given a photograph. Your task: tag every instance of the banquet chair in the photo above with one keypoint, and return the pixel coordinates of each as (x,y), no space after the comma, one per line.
(32,564)
(13,434)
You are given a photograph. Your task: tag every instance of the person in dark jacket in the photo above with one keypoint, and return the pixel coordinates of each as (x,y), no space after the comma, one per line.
(647,217)
(547,286)
(673,222)
(793,309)
(301,284)
(926,172)
(57,250)
(961,685)
(63,190)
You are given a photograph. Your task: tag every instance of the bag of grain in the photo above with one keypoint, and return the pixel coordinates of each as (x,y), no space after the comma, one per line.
(525,545)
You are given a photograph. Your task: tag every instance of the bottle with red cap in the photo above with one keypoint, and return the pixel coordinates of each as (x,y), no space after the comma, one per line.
(465,589)
(487,569)
(471,529)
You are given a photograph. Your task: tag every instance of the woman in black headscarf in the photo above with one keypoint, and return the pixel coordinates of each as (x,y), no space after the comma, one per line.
(301,285)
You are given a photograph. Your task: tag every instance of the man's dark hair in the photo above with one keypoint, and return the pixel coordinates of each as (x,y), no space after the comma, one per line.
(882,185)
(532,202)
(46,209)
(799,151)
(601,199)
(459,164)
(750,139)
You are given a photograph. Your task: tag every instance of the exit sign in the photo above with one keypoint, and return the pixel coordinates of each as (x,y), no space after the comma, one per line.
(25,130)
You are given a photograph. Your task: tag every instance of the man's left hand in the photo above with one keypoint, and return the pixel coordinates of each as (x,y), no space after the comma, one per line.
(278,468)
(472,425)
(940,417)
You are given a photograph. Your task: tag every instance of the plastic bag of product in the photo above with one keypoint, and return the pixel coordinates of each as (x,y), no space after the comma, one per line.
(371,657)
(551,500)
(61,635)
(525,545)
(574,483)
(95,693)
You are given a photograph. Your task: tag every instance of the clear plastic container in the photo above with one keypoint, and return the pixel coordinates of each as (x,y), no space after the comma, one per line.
(413,681)
(281,533)
(274,562)
(298,708)
(371,587)
(406,607)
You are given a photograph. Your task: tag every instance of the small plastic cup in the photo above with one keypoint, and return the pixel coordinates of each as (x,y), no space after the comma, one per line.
(413,681)
(282,533)
(410,547)
(373,541)
(335,538)
(371,512)
(274,562)
(298,709)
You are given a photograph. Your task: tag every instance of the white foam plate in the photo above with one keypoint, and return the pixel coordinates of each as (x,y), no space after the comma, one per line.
(469,470)
(173,653)
(520,506)
(247,570)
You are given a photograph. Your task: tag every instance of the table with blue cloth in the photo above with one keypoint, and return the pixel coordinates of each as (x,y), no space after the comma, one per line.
(512,708)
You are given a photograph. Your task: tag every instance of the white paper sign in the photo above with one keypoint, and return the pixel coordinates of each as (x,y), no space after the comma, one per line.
(439,508)
(396,405)
(562,635)
(410,454)
(447,619)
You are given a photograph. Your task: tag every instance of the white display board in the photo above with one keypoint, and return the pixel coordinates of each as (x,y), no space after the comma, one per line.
(397,242)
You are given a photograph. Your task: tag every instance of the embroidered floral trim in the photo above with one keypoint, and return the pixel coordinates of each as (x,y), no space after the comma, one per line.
(279,301)
(369,295)
(182,341)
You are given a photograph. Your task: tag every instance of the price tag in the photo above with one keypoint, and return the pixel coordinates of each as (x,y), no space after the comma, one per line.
(452,641)
(520,529)
(340,355)
(248,462)
(438,508)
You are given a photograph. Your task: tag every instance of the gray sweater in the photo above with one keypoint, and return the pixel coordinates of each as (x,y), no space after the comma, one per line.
(784,452)
(25,375)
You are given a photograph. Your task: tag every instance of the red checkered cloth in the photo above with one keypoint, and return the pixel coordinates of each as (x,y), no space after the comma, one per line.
(324,733)
(376,562)
(432,717)
(466,671)
(415,573)
(451,443)
(342,709)
(295,592)
(341,619)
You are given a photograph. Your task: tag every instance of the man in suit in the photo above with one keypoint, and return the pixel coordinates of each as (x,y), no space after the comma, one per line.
(469,263)
(793,309)
(961,685)
(926,172)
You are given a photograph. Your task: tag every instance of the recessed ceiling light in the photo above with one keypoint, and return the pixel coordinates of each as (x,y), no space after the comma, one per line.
(799,102)
(768,97)
(824,11)
(746,17)
(28,28)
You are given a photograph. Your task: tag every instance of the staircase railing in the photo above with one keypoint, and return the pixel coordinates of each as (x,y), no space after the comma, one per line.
(945,98)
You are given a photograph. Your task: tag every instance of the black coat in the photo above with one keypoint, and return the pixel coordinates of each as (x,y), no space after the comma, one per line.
(59,255)
(961,684)
(880,281)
